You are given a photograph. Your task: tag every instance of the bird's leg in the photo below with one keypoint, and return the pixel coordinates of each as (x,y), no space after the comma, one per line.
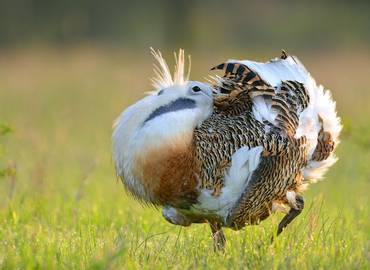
(294,211)
(218,236)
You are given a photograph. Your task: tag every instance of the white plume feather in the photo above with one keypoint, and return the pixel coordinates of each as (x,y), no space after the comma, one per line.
(163,77)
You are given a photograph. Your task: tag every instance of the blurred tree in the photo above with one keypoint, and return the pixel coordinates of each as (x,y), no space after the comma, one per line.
(177,23)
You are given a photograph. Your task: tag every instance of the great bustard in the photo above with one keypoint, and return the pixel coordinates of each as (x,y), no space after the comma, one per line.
(229,153)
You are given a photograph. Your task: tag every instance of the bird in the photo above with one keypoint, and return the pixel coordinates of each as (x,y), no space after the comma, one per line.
(229,151)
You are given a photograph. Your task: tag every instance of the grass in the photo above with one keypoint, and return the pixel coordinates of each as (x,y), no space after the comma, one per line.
(64,208)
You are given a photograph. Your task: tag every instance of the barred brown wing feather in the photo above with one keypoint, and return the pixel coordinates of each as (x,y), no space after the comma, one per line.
(237,73)
(288,100)
(325,145)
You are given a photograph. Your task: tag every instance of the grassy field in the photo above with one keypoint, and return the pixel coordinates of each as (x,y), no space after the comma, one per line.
(65,209)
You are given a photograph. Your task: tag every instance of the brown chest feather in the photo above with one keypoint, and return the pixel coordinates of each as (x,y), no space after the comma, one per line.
(170,174)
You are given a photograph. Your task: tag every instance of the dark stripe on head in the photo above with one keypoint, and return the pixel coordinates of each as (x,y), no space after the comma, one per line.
(178,104)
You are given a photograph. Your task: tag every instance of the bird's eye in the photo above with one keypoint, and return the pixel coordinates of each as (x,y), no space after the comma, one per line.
(196,89)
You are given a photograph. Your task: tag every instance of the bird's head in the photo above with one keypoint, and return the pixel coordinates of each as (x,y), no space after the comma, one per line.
(176,104)
(192,101)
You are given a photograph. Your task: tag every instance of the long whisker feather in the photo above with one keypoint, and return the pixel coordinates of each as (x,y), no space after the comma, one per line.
(162,74)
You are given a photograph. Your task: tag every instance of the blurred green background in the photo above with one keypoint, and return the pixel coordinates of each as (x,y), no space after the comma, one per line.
(197,25)
(68,68)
